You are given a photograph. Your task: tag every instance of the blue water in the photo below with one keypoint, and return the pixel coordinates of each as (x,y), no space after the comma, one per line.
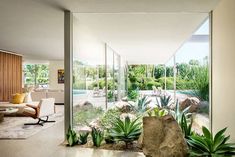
(78,91)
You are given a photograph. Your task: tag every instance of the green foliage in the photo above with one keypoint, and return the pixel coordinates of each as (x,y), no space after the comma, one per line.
(108,117)
(126,130)
(97,136)
(159,71)
(165,101)
(36,74)
(83,138)
(201,83)
(207,145)
(109,139)
(178,114)
(110,95)
(186,127)
(150,84)
(85,114)
(71,137)
(142,103)
(157,112)
(169,82)
(133,95)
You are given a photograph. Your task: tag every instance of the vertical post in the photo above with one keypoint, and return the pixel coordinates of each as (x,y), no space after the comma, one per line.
(68,66)
(97,77)
(113,77)
(210,69)
(174,79)
(106,79)
(165,78)
(119,78)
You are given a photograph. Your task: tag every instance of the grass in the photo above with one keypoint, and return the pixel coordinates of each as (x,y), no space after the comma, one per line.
(86,114)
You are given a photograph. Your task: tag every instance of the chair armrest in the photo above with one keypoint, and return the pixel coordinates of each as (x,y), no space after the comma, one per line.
(36,108)
(32,106)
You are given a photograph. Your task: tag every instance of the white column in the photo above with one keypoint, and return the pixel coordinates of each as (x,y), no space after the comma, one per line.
(68,66)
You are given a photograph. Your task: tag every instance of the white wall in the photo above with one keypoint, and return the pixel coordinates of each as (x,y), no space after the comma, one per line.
(53,74)
(223,64)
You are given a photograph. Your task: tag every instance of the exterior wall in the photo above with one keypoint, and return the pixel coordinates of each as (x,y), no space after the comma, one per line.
(54,66)
(223,64)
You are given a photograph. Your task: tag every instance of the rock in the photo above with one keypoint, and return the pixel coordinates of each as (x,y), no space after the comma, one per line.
(140,141)
(124,107)
(204,107)
(162,137)
(95,123)
(86,104)
(193,102)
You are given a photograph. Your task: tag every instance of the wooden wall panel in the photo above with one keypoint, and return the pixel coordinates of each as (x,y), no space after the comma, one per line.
(10,75)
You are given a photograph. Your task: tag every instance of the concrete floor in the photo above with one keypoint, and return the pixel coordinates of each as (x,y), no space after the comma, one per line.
(47,143)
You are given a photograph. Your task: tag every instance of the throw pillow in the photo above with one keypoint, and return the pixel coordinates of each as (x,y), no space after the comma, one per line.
(27,98)
(18,98)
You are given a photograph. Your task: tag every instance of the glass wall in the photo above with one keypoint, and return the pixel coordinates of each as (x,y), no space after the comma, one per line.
(192,83)
(94,63)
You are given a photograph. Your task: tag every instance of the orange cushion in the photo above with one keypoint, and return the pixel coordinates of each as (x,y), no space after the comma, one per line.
(18,98)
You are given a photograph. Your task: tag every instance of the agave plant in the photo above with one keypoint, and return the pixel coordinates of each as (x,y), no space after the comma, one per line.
(157,112)
(83,138)
(186,127)
(165,101)
(126,130)
(178,114)
(97,136)
(142,103)
(71,137)
(207,145)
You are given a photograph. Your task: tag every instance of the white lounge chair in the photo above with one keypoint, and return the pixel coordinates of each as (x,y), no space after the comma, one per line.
(44,109)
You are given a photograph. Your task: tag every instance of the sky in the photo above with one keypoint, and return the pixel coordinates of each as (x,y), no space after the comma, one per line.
(193,50)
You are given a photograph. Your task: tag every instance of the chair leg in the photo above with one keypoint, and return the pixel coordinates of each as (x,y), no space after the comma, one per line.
(38,123)
(41,122)
(47,121)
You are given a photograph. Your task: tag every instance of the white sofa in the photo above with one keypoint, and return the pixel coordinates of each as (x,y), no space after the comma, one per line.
(58,95)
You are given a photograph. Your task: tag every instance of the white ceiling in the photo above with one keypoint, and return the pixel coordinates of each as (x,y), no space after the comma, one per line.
(34,28)
(141,38)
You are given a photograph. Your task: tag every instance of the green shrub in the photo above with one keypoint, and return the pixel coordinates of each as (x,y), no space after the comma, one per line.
(110,95)
(157,112)
(86,114)
(83,138)
(71,137)
(126,130)
(109,139)
(201,83)
(150,84)
(165,101)
(142,104)
(108,117)
(97,136)
(133,95)
(169,82)
(186,127)
(207,145)
(178,114)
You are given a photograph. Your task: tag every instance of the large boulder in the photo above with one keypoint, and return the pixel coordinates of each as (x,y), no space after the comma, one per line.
(125,106)
(193,102)
(162,137)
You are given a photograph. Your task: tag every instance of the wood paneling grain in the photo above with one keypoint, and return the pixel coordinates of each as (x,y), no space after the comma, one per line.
(10,75)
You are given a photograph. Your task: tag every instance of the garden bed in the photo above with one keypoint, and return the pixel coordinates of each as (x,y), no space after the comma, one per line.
(115,146)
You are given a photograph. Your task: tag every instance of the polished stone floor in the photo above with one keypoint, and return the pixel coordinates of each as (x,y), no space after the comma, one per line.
(47,143)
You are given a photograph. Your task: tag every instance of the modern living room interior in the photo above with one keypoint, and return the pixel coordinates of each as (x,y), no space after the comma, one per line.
(57,57)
